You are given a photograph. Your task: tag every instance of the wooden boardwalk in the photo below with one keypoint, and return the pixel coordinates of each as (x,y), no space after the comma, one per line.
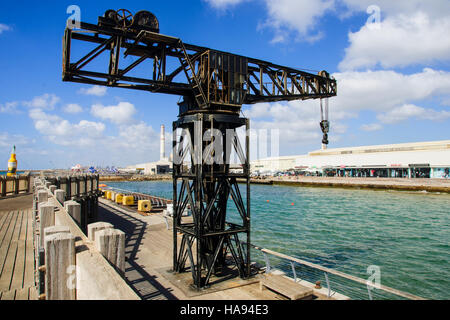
(17,280)
(148,249)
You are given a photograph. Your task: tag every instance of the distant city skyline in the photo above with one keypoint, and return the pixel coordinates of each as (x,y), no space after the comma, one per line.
(391,60)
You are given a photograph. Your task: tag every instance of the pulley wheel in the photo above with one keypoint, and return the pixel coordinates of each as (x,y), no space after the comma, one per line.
(124,17)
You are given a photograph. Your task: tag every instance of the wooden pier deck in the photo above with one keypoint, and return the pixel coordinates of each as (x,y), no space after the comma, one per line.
(148,249)
(17,279)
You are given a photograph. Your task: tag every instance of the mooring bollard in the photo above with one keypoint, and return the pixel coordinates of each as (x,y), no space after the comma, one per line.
(73,208)
(42,196)
(60,195)
(60,262)
(46,219)
(97,226)
(111,244)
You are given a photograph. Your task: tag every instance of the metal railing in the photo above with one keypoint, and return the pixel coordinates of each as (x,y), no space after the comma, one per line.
(337,283)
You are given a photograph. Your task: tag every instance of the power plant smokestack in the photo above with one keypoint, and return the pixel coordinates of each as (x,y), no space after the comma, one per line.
(162,153)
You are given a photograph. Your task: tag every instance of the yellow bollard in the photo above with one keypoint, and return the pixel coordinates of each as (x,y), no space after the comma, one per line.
(119,198)
(128,200)
(144,205)
(108,195)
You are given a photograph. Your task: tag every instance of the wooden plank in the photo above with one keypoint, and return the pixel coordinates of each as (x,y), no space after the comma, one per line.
(6,240)
(19,267)
(8,266)
(286,287)
(5,226)
(28,279)
(3,216)
(22,294)
(33,294)
(9,295)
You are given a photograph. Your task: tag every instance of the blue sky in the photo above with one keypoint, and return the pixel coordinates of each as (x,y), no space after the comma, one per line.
(393,76)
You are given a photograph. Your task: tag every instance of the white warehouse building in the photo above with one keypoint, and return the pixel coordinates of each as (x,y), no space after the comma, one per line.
(413,160)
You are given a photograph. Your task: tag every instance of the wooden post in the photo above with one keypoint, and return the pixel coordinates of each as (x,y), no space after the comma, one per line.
(60,195)
(52,189)
(73,208)
(56,229)
(97,226)
(28,183)
(42,196)
(16,184)
(60,262)
(46,219)
(3,182)
(111,244)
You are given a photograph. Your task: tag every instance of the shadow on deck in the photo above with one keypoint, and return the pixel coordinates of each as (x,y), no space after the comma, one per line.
(145,285)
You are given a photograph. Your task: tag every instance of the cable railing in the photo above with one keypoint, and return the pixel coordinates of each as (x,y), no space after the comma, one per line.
(337,284)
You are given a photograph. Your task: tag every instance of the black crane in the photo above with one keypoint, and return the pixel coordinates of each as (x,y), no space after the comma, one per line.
(214,86)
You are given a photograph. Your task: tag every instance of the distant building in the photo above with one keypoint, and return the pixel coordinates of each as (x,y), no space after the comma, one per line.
(162,166)
(149,168)
(413,160)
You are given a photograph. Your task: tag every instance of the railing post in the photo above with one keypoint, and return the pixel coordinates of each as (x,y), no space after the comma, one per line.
(73,208)
(46,219)
(97,226)
(293,271)
(266,258)
(16,184)
(328,284)
(59,259)
(111,244)
(52,189)
(3,182)
(60,196)
(42,196)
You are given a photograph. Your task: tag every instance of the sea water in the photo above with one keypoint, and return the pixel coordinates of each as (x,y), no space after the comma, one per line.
(404,234)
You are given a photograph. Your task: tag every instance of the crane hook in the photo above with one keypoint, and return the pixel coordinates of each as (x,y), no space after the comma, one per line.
(324,123)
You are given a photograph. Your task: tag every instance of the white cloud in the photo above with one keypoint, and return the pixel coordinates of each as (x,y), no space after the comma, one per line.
(297,121)
(4,27)
(73,108)
(9,107)
(119,114)
(46,102)
(98,91)
(7,140)
(60,131)
(371,127)
(399,41)
(381,91)
(221,4)
(408,111)
(299,17)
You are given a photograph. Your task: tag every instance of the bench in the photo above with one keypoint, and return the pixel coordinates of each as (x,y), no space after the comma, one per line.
(285,287)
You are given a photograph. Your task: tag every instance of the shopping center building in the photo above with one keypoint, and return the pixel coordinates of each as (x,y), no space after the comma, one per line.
(408,160)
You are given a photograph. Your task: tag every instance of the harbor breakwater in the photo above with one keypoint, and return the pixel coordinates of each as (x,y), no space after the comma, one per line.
(399,184)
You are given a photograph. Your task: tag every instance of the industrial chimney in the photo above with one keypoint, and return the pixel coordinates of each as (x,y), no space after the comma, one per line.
(162,153)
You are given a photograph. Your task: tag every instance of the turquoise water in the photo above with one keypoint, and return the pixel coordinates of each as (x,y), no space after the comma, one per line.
(406,234)
(3,173)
